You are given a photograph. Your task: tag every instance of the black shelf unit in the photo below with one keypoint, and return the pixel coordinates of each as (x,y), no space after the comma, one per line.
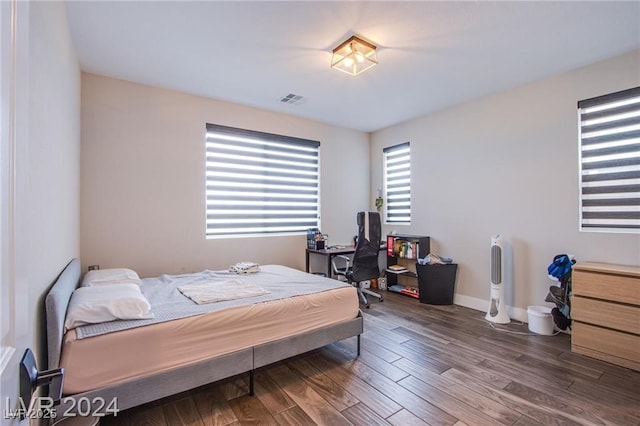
(403,251)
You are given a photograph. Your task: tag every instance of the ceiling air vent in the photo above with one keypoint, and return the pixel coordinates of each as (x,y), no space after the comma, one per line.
(292,99)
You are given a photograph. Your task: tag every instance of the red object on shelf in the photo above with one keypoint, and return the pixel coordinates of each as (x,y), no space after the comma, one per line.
(410,291)
(390,240)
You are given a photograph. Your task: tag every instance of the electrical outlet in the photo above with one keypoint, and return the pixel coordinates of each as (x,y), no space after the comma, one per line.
(94,267)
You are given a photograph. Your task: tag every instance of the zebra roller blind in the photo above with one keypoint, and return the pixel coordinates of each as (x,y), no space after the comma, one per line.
(260,183)
(397,170)
(610,162)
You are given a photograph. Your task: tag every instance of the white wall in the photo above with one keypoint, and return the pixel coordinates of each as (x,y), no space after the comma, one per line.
(508,164)
(143,174)
(503,164)
(49,212)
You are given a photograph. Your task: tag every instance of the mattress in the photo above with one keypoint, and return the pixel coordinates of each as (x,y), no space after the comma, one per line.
(117,357)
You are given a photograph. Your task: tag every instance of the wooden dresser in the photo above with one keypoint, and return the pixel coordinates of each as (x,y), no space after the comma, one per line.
(605,308)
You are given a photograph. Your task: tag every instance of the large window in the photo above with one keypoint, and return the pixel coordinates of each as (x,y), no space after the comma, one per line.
(610,162)
(397,183)
(260,183)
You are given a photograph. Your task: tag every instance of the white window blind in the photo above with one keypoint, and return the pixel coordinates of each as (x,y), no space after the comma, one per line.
(397,172)
(260,183)
(610,162)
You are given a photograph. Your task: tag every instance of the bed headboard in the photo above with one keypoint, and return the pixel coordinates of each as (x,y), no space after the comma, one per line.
(56,304)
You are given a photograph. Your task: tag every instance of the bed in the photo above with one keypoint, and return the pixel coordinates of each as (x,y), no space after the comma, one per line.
(175,355)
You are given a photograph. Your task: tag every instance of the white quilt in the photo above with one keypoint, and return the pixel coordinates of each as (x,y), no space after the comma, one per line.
(217,291)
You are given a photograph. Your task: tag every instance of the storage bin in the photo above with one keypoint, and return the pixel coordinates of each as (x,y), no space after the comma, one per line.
(436,283)
(540,320)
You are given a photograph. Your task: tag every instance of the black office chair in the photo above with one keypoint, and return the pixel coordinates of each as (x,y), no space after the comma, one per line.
(365,258)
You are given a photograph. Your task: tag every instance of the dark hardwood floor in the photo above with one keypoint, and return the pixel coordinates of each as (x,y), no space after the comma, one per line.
(420,364)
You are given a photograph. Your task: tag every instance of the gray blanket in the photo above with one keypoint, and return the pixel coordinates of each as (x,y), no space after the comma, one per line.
(167,303)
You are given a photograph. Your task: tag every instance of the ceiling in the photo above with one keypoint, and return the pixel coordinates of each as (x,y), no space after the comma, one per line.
(432,55)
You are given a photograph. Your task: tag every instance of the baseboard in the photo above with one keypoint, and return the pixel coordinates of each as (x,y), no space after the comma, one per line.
(517,314)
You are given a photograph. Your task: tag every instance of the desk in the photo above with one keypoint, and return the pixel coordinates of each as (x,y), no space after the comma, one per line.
(329,253)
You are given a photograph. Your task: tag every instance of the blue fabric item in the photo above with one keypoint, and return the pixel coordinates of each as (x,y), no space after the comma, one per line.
(432,259)
(560,266)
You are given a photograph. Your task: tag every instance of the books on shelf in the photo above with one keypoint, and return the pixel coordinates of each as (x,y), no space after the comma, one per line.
(397,269)
(411,291)
(398,247)
(408,291)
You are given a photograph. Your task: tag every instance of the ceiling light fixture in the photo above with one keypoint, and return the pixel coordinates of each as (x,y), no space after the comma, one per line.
(354,56)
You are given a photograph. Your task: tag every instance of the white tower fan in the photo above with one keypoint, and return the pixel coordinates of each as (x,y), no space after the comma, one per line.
(497,309)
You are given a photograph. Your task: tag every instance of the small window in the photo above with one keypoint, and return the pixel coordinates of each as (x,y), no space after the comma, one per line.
(260,183)
(610,162)
(397,183)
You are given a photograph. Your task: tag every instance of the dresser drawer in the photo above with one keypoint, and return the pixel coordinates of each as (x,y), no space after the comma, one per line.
(608,345)
(624,289)
(606,314)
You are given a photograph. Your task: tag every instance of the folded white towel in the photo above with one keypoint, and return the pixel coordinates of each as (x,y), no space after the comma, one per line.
(218,291)
(245,268)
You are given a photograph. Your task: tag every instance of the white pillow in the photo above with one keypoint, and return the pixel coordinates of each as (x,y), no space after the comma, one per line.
(102,303)
(110,276)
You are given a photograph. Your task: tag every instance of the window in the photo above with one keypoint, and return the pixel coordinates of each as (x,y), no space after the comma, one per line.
(397,183)
(260,183)
(610,162)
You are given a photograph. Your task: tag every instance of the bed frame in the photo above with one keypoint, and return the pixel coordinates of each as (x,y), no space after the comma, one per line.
(150,388)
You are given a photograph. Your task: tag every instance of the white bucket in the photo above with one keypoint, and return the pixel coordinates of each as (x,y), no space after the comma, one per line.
(540,320)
